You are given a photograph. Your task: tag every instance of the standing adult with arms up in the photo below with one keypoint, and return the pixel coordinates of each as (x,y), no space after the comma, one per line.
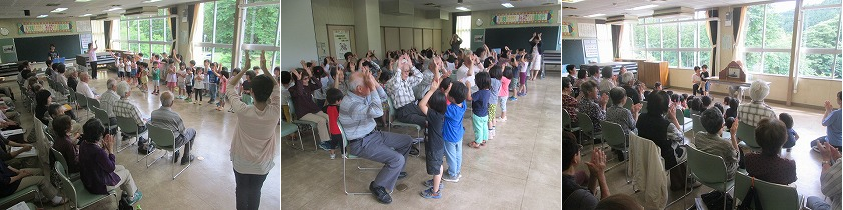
(456,41)
(254,144)
(92,58)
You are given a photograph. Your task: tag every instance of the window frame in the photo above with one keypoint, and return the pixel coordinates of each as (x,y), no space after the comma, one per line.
(805,51)
(697,48)
(763,49)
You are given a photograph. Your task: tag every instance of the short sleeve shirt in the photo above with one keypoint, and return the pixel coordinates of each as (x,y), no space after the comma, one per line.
(435,122)
(480,103)
(833,128)
(452,130)
(496,89)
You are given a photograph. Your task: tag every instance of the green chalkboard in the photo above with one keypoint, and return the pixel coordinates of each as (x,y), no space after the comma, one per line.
(36,48)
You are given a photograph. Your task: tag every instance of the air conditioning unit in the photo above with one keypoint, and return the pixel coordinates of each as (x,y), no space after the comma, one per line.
(436,14)
(142,11)
(106,17)
(622,19)
(674,12)
(399,7)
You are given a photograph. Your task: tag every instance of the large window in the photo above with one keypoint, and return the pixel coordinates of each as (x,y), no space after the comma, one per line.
(261,32)
(218,31)
(463,28)
(820,48)
(769,33)
(683,43)
(146,35)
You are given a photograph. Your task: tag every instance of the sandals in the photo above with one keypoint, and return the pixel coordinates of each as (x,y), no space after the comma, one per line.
(474,145)
(484,143)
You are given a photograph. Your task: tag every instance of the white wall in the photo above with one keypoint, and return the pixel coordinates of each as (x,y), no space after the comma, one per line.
(299,43)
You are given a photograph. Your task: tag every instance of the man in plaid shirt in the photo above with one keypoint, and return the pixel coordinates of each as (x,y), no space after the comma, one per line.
(122,108)
(751,113)
(400,90)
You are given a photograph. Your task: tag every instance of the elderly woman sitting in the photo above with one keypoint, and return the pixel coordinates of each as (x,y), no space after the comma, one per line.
(659,125)
(98,171)
(771,133)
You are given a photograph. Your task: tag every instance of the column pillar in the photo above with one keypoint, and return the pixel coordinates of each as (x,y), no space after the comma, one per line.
(367,26)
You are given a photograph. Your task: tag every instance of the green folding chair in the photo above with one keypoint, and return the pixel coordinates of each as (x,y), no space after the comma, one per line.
(567,125)
(290,128)
(75,191)
(628,104)
(60,158)
(165,140)
(24,194)
(310,124)
(709,170)
(687,123)
(772,196)
(614,136)
(746,133)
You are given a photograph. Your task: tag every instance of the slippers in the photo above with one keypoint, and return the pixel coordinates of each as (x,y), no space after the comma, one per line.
(483,144)
(474,145)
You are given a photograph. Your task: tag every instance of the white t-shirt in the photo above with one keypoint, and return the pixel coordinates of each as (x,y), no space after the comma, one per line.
(461,72)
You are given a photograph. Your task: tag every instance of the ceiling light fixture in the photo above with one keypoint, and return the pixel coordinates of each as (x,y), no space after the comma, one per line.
(113,9)
(507,5)
(151,1)
(83,0)
(42,16)
(86,15)
(594,15)
(462,8)
(60,9)
(644,7)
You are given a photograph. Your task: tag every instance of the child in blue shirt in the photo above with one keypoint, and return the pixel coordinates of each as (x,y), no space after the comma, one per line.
(480,109)
(792,136)
(452,130)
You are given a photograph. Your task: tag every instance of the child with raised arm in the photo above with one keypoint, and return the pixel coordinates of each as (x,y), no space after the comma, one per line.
(452,130)
(433,105)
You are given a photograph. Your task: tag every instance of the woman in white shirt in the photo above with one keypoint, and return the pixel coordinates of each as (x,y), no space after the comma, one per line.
(696,79)
(92,58)
(254,144)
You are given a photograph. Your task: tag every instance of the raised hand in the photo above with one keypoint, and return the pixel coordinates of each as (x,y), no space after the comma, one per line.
(598,161)
(734,128)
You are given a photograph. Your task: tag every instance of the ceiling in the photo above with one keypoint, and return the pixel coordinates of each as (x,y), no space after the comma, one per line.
(618,7)
(477,5)
(14,8)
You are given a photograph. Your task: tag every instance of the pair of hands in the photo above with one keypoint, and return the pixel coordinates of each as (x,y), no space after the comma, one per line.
(108,143)
(829,152)
(828,106)
(598,161)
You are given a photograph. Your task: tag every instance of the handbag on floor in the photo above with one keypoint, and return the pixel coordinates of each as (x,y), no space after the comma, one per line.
(714,200)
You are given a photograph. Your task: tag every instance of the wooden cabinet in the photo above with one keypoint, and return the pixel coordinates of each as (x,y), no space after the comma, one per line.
(650,72)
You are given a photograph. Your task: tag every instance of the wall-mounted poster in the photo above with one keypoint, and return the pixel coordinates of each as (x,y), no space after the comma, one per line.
(590,48)
(567,29)
(342,42)
(587,29)
(83,26)
(44,27)
(478,38)
(522,18)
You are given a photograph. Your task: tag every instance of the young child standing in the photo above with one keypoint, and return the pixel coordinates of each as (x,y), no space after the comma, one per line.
(198,85)
(156,77)
(223,80)
(188,84)
(503,94)
(143,76)
(181,73)
(495,75)
(792,136)
(452,130)
(433,105)
(480,109)
(522,66)
(333,98)
(171,77)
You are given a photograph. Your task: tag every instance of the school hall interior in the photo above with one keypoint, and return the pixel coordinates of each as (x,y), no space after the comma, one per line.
(96,42)
(784,53)
(516,169)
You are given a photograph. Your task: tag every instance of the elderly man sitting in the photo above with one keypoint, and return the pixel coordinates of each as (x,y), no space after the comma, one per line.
(357,116)
(400,89)
(752,113)
(83,88)
(166,118)
(108,99)
(123,108)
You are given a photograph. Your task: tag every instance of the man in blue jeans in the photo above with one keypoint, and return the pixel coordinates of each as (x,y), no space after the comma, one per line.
(214,79)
